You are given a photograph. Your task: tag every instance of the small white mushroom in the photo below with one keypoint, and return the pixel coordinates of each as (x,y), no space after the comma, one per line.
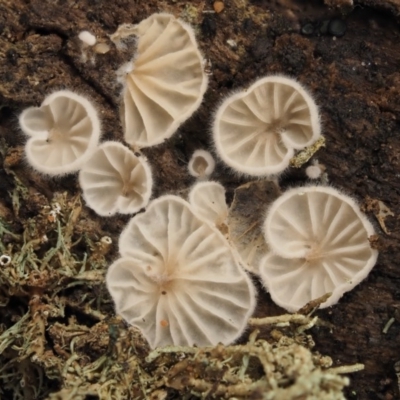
(115,180)
(5,260)
(106,241)
(315,170)
(318,239)
(164,83)
(64,131)
(104,245)
(201,164)
(257,130)
(178,280)
(87,38)
(208,201)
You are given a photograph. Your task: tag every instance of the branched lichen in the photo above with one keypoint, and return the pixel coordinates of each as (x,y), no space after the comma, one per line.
(259,369)
(44,277)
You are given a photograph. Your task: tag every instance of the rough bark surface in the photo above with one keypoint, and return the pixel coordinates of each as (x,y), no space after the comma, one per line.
(356,82)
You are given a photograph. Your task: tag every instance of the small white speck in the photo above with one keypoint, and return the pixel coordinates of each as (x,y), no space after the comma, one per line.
(231,43)
(87,38)
(5,260)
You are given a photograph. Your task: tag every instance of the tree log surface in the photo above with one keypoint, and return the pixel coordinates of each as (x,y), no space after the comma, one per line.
(356,82)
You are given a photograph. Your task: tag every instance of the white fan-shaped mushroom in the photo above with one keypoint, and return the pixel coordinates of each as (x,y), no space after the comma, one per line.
(177,280)
(64,131)
(201,164)
(165,83)
(319,244)
(208,201)
(114,180)
(257,130)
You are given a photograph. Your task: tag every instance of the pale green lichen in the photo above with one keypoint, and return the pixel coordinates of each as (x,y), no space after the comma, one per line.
(305,155)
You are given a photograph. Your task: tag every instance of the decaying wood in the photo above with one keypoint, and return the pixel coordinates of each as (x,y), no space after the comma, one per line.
(356,81)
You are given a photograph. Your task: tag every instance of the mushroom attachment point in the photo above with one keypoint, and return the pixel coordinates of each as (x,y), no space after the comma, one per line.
(178,280)
(318,240)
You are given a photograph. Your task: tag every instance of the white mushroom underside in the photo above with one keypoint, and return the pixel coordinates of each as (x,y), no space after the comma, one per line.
(256,131)
(167,82)
(208,200)
(177,279)
(114,180)
(319,244)
(64,131)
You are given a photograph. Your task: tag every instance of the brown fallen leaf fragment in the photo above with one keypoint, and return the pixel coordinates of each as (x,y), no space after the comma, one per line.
(245,220)
(380,210)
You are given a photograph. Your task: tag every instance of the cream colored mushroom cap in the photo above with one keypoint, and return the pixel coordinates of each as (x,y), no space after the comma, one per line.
(166,83)
(319,244)
(257,130)
(177,280)
(201,164)
(115,180)
(208,201)
(64,131)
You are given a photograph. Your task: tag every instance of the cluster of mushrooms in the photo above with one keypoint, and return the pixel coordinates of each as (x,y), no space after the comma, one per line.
(181,279)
